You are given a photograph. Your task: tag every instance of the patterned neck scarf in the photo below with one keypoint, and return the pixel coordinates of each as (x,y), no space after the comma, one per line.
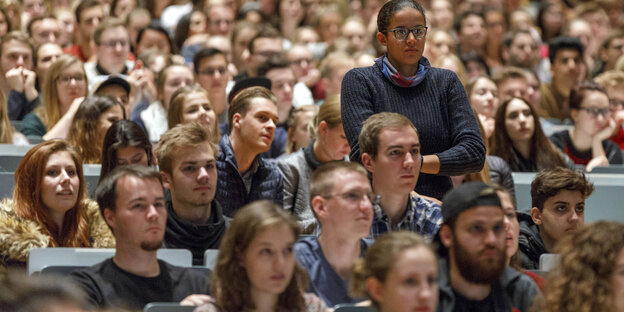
(399,80)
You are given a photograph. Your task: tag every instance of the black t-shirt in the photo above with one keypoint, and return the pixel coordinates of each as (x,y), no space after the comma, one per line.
(463,304)
(108,286)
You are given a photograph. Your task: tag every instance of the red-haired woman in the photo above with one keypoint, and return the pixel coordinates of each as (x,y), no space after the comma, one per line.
(49,207)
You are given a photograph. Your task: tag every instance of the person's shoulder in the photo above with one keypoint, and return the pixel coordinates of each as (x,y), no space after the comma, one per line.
(185,274)
(99,233)
(306,250)
(92,273)
(291,161)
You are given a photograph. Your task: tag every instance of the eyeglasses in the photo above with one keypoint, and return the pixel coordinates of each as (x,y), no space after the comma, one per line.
(419,32)
(616,104)
(66,79)
(212,71)
(113,43)
(594,112)
(356,197)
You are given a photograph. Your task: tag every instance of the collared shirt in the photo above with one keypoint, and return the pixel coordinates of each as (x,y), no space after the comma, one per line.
(422,216)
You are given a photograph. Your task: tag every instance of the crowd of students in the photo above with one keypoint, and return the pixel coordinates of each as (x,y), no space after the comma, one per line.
(344,152)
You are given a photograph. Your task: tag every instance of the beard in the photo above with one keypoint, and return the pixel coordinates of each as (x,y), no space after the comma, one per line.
(151,245)
(473,269)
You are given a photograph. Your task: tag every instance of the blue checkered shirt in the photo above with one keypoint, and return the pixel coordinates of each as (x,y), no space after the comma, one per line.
(422,216)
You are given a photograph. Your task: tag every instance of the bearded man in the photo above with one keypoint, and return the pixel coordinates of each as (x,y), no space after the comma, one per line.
(472,271)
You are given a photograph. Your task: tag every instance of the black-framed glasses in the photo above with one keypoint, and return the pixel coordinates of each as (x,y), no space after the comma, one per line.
(419,32)
(594,112)
(356,197)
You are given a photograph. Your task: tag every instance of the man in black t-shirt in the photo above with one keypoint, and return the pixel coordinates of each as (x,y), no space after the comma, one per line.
(472,272)
(131,200)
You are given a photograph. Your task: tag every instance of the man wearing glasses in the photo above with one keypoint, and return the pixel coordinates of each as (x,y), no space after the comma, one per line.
(341,200)
(112,46)
(211,73)
(391,153)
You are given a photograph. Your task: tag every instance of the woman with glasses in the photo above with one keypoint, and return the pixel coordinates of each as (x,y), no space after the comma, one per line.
(403,81)
(64,86)
(587,142)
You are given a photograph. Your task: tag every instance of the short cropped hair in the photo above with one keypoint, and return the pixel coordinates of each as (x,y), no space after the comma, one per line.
(563,43)
(242,102)
(106,191)
(182,136)
(17,36)
(323,178)
(107,24)
(85,4)
(276,62)
(265,31)
(549,182)
(508,72)
(202,54)
(372,127)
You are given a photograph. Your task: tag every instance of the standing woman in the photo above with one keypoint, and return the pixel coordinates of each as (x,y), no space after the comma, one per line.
(64,86)
(49,207)
(256,268)
(434,99)
(588,142)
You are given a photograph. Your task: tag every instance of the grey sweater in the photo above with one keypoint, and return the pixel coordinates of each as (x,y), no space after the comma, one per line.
(297,169)
(439,109)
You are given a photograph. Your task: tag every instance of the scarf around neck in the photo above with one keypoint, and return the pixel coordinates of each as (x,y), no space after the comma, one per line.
(396,78)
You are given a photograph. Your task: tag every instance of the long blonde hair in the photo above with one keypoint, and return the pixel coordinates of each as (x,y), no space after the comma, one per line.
(6,129)
(49,112)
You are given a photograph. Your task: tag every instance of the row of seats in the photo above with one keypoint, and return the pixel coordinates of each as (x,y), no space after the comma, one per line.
(63,260)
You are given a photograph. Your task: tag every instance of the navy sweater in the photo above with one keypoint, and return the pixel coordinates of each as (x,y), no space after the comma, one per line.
(439,109)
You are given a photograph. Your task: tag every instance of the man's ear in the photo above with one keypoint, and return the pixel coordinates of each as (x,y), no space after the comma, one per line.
(236,118)
(165,180)
(367,161)
(536,215)
(446,236)
(382,39)
(375,289)
(318,205)
(109,217)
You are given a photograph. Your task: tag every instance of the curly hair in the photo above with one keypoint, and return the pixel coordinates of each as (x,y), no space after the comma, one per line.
(582,280)
(231,286)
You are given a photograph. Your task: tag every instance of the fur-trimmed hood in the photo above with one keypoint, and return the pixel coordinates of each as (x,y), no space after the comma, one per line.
(18,235)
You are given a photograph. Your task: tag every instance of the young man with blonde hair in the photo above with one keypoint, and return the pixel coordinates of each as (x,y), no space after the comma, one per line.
(187,161)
